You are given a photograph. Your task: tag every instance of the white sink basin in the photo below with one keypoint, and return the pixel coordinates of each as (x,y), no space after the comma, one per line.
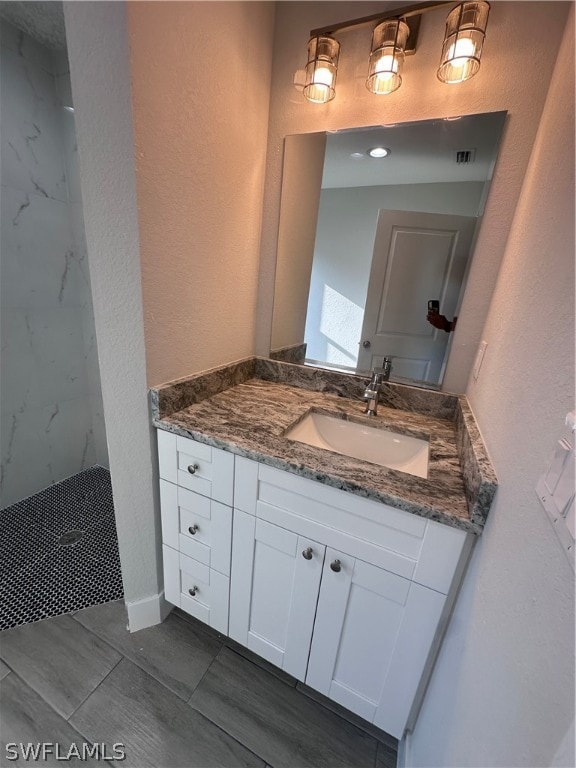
(379,446)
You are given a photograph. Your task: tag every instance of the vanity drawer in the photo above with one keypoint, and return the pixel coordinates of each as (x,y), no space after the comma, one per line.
(197,467)
(197,526)
(200,591)
(400,542)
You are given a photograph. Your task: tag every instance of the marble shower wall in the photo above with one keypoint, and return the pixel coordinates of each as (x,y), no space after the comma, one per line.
(52,423)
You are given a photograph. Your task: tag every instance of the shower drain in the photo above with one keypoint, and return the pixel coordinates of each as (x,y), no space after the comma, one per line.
(69,538)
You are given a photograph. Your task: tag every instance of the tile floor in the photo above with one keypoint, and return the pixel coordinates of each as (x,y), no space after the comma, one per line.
(175,695)
(59,550)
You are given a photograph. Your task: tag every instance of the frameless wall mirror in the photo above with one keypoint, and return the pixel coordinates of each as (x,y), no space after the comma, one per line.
(376,223)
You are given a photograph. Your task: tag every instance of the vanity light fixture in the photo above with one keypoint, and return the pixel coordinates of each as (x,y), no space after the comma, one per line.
(321,69)
(463,41)
(387,56)
(394,37)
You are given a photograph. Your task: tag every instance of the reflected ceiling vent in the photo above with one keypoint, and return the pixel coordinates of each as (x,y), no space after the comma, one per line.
(464,156)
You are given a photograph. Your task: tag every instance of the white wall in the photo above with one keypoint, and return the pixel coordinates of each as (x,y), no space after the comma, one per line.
(100,74)
(51,424)
(347,223)
(200,120)
(200,88)
(502,693)
(301,185)
(511,78)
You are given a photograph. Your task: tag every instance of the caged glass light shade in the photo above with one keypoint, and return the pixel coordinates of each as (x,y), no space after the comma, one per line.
(387,56)
(463,40)
(321,69)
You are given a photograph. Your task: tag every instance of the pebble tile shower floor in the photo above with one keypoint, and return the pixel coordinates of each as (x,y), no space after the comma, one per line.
(59,550)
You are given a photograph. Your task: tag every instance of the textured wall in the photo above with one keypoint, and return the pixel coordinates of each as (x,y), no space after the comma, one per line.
(201,82)
(42,19)
(515,31)
(99,69)
(502,693)
(51,417)
(301,185)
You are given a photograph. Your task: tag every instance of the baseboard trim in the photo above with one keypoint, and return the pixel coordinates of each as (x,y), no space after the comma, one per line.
(403,759)
(147,612)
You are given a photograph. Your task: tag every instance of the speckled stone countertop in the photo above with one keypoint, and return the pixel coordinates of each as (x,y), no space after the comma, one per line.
(248,407)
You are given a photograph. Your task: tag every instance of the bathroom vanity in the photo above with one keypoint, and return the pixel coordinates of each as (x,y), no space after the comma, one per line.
(340,572)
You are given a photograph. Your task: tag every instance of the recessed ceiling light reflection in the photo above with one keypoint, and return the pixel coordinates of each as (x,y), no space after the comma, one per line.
(379,152)
(357,155)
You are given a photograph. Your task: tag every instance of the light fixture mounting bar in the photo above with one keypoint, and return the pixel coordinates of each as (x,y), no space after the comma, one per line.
(407,12)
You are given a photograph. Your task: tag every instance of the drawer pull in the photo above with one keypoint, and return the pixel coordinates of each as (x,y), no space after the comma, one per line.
(193,468)
(308,553)
(193,529)
(194,591)
(336,566)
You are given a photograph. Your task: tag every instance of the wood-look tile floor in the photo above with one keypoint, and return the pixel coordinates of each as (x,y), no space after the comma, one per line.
(177,695)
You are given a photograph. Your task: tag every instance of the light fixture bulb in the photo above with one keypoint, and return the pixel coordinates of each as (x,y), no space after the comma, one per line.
(463,41)
(324,77)
(387,56)
(379,152)
(321,69)
(386,69)
(463,48)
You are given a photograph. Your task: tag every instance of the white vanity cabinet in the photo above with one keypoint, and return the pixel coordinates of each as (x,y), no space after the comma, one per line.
(344,593)
(371,639)
(196,491)
(276,578)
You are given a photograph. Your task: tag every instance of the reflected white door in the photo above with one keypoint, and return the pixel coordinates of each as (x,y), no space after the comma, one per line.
(417,257)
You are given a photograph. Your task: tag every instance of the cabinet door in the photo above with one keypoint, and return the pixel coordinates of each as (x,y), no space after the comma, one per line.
(274,590)
(371,639)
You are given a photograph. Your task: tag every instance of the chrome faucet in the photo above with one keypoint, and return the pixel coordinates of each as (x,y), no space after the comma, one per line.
(373,389)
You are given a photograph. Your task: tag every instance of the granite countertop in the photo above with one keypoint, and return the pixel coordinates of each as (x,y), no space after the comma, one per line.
(248,414)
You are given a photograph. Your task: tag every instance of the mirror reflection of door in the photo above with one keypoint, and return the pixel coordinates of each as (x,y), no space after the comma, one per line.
(417,257)
(441,166)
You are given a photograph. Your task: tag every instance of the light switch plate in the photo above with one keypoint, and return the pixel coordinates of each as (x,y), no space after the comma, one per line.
(479,359)
(555,489)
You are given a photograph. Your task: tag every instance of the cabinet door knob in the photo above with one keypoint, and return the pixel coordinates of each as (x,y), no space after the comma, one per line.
(193,591)
(193,468)
(193,529)
(308,553)
(336,566)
